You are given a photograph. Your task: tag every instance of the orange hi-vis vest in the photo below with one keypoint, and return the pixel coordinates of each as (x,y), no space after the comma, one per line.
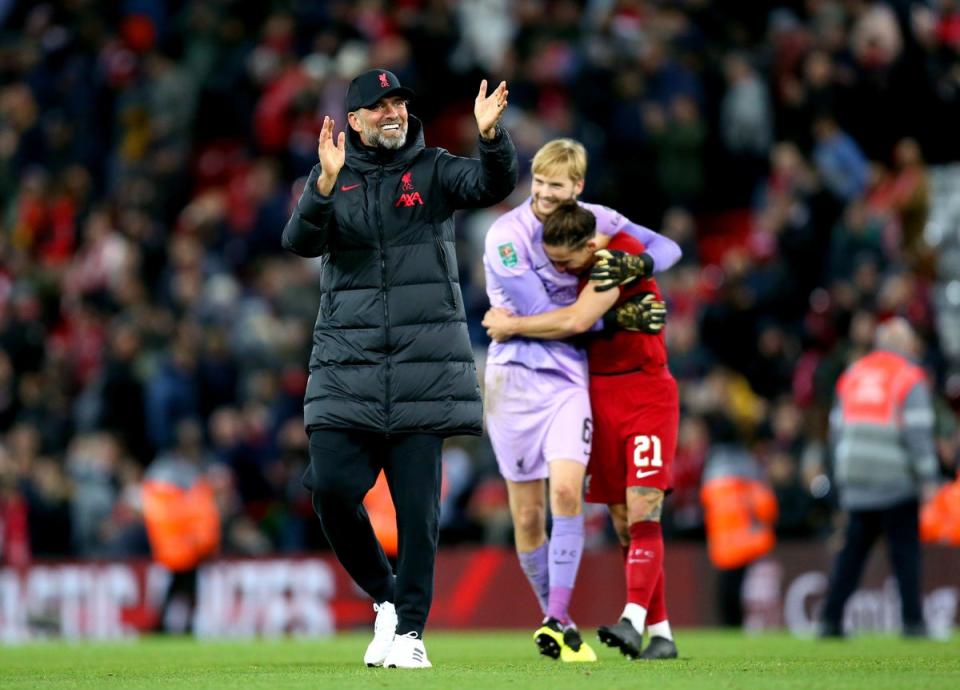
(871,395)
(740,515)
(940,517)
(383,515)
(183,524)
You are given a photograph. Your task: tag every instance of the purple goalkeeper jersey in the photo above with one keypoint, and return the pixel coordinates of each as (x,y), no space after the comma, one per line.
(521,279)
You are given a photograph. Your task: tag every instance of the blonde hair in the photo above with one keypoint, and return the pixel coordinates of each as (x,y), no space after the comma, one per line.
(561,157)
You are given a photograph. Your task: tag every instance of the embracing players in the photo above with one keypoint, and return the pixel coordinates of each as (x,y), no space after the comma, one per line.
(635,406)
(537,406)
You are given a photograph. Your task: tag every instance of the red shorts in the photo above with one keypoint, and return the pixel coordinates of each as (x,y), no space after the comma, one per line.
(636,418)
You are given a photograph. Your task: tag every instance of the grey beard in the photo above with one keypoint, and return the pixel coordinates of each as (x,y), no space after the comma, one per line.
(377,138)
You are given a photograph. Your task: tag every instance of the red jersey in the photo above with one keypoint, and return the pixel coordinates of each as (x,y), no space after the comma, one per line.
(623,352)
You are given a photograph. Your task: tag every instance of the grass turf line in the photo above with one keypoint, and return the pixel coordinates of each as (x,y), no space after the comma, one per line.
(711,660)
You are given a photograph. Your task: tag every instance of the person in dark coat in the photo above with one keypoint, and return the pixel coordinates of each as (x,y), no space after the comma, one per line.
(391,371)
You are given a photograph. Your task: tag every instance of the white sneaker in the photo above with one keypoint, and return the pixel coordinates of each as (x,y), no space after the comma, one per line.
(407,652)
(384,629)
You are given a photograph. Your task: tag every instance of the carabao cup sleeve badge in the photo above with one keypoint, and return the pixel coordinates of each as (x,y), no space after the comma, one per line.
(508,255)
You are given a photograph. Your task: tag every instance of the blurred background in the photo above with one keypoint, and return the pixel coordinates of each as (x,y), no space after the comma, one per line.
(803,153)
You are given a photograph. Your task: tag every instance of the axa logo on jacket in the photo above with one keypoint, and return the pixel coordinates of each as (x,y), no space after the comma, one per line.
(407,200)
(409,197)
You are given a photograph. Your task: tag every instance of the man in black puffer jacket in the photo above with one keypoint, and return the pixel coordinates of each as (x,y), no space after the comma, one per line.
(392,371)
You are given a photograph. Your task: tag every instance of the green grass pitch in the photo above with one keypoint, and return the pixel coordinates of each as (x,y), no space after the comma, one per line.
(490,660)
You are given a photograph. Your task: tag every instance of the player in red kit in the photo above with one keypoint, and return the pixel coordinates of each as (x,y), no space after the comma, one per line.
(635,406)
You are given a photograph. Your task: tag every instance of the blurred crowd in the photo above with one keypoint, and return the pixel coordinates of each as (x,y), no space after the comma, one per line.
(799,151)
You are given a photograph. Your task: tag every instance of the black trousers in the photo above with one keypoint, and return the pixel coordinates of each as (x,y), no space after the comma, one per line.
(344,465)
(182,584)
(900,525)
(730,596)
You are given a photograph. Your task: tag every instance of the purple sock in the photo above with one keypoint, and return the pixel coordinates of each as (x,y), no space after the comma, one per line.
(534,566)
(566,547)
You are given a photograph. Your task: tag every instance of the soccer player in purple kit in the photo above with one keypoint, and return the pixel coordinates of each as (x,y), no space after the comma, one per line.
(537,406)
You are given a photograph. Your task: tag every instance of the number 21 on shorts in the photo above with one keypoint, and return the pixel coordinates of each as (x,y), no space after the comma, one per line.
(646,454)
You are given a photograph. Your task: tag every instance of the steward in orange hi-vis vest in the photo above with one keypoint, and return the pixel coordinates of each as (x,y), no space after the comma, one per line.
(181,515)
(940,516)
(740,510)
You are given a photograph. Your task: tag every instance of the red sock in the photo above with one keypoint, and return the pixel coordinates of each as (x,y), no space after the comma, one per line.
(657,611)
(644,562)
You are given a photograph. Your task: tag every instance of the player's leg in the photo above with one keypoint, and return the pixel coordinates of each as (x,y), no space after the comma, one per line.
(516,424)
(528,508)
(646,604)
(644,554)
(566,534)
(621,635)
(618,517)
(661,645)
(566,549)
(567,449)
(650,415)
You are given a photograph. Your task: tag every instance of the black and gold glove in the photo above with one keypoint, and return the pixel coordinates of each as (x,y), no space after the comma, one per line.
(643,313)
(615,267)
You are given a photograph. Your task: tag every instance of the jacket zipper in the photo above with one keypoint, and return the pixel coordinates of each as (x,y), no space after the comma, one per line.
(383,292)
(442,250)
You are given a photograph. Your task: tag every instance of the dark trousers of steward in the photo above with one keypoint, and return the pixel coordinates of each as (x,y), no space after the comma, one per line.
(900,525)
(344,465)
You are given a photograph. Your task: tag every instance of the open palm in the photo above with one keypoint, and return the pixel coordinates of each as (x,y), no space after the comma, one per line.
(488,109)
(332,154)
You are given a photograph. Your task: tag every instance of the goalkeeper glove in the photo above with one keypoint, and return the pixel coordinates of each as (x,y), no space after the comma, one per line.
(614,268)
(644,313)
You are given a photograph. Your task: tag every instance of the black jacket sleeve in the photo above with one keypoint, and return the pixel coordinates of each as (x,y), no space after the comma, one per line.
(472,183)
(312,222)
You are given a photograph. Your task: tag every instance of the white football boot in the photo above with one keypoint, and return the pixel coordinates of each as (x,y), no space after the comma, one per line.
(384,629)
(407,652)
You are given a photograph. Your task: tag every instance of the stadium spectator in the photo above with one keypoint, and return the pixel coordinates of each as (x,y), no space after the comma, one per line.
(391,372)
(14,526)
(840,161)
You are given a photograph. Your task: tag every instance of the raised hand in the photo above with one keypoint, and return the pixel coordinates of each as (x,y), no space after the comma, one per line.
(488,109)
(332,156)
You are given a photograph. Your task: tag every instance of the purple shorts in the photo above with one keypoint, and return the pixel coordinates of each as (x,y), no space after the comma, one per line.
(534,417)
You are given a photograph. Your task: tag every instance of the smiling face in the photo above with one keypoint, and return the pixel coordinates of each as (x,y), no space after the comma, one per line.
(549,191)
(382,124)
(559,168)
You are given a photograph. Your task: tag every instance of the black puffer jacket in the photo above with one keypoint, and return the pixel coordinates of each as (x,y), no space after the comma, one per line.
(391,352)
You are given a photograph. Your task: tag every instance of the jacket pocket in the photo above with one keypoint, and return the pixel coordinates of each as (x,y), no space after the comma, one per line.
(442,256)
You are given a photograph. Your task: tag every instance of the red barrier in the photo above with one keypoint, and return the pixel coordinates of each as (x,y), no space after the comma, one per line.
(475,588)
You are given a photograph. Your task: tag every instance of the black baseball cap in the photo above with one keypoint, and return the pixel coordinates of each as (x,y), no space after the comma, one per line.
(368,88)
